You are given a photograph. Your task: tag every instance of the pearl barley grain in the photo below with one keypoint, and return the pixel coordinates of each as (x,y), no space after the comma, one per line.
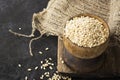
(19,65)
(40,52)
(29,69)
(47,49)
(19,28)
(36,67)
(86,31)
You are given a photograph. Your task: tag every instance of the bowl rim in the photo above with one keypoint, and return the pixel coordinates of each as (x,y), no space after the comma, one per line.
(104,23)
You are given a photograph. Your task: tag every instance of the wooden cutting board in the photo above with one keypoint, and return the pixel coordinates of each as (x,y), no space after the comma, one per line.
(110,67)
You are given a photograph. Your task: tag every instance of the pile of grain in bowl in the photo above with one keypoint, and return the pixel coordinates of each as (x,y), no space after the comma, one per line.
(86,31)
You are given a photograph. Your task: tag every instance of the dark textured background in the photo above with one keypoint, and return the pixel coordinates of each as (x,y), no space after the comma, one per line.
(15,14)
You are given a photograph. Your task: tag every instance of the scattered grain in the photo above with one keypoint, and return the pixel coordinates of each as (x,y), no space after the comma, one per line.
(41,67)
(47,74)
(46,48)
(36,67)
(41,62)
(59,77)
(44,68)
(19,65)
(50,67)
(52,64)
(47,63)
(29,69)
(50,58)
(56,71)
(40,52)
(19,28)
(42,77)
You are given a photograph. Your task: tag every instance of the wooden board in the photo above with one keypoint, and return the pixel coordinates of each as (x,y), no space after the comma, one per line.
(110,67)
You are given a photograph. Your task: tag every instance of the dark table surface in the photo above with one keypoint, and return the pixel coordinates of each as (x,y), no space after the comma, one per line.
(14,50)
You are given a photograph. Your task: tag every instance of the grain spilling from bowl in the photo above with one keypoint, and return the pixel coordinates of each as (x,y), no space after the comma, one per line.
(86,31)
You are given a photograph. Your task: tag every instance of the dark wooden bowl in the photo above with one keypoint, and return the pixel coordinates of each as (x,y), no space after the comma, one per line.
(86,52)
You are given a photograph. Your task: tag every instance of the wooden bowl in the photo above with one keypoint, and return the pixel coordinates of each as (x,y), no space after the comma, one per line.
(86,52)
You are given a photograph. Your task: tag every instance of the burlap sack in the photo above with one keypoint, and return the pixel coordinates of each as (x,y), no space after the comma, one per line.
(52,19)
